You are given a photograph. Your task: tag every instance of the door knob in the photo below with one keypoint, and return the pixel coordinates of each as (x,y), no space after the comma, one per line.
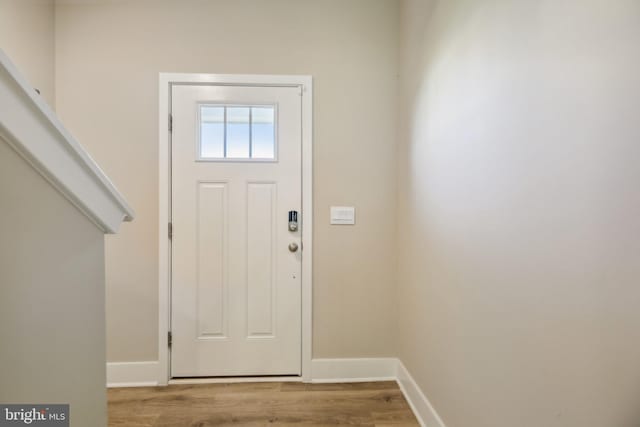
(293,247)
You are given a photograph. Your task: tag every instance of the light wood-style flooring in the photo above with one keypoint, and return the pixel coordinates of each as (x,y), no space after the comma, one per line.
(374,404)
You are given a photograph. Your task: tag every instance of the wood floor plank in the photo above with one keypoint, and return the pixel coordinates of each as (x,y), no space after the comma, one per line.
(374,404)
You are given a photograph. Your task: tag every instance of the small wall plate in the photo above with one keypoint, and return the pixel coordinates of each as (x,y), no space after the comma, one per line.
(343,215)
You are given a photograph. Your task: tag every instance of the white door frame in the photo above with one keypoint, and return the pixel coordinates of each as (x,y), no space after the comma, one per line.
(167,80)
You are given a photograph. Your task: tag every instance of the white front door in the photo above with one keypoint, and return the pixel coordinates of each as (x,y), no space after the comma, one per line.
(236,264)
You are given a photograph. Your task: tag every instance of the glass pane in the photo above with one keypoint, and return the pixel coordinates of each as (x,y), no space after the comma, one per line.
(262,133)
(238,132)
(211,132)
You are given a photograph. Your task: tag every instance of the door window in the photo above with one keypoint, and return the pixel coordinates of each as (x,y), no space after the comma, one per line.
(237,132)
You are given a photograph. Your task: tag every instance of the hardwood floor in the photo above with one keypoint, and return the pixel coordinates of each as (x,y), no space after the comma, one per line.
(375,404)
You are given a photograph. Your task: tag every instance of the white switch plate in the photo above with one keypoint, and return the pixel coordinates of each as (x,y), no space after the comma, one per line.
(343,215)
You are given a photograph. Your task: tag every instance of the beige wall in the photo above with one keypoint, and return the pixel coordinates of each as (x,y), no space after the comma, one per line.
(52,300)
(27,37)
(519,235)
(108,56)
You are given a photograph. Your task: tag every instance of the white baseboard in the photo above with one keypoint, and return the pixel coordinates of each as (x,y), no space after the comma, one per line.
(424,412)
(132,374)
(353,370)
(145,374)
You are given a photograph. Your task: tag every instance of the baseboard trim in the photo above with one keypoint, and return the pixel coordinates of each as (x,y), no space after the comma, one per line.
(422,408)
(353,370)
(145,374)
(132,374)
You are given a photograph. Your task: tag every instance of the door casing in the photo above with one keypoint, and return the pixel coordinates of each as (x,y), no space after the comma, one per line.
(166,81)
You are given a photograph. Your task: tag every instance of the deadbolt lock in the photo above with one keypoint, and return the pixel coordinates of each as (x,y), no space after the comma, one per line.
(293,220)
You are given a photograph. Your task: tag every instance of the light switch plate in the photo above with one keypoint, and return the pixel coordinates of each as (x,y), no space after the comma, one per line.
(343,215)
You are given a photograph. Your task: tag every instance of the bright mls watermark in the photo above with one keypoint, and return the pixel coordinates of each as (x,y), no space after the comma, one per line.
(34,415)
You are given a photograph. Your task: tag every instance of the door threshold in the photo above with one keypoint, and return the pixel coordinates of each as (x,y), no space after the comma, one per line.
(223,380)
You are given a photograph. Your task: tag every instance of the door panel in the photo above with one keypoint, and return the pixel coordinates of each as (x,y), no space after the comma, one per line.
(261,258)
(211,259)
(236,286)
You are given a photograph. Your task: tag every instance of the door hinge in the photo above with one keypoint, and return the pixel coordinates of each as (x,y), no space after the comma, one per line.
(170,122)
(169,338)
(170,230)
